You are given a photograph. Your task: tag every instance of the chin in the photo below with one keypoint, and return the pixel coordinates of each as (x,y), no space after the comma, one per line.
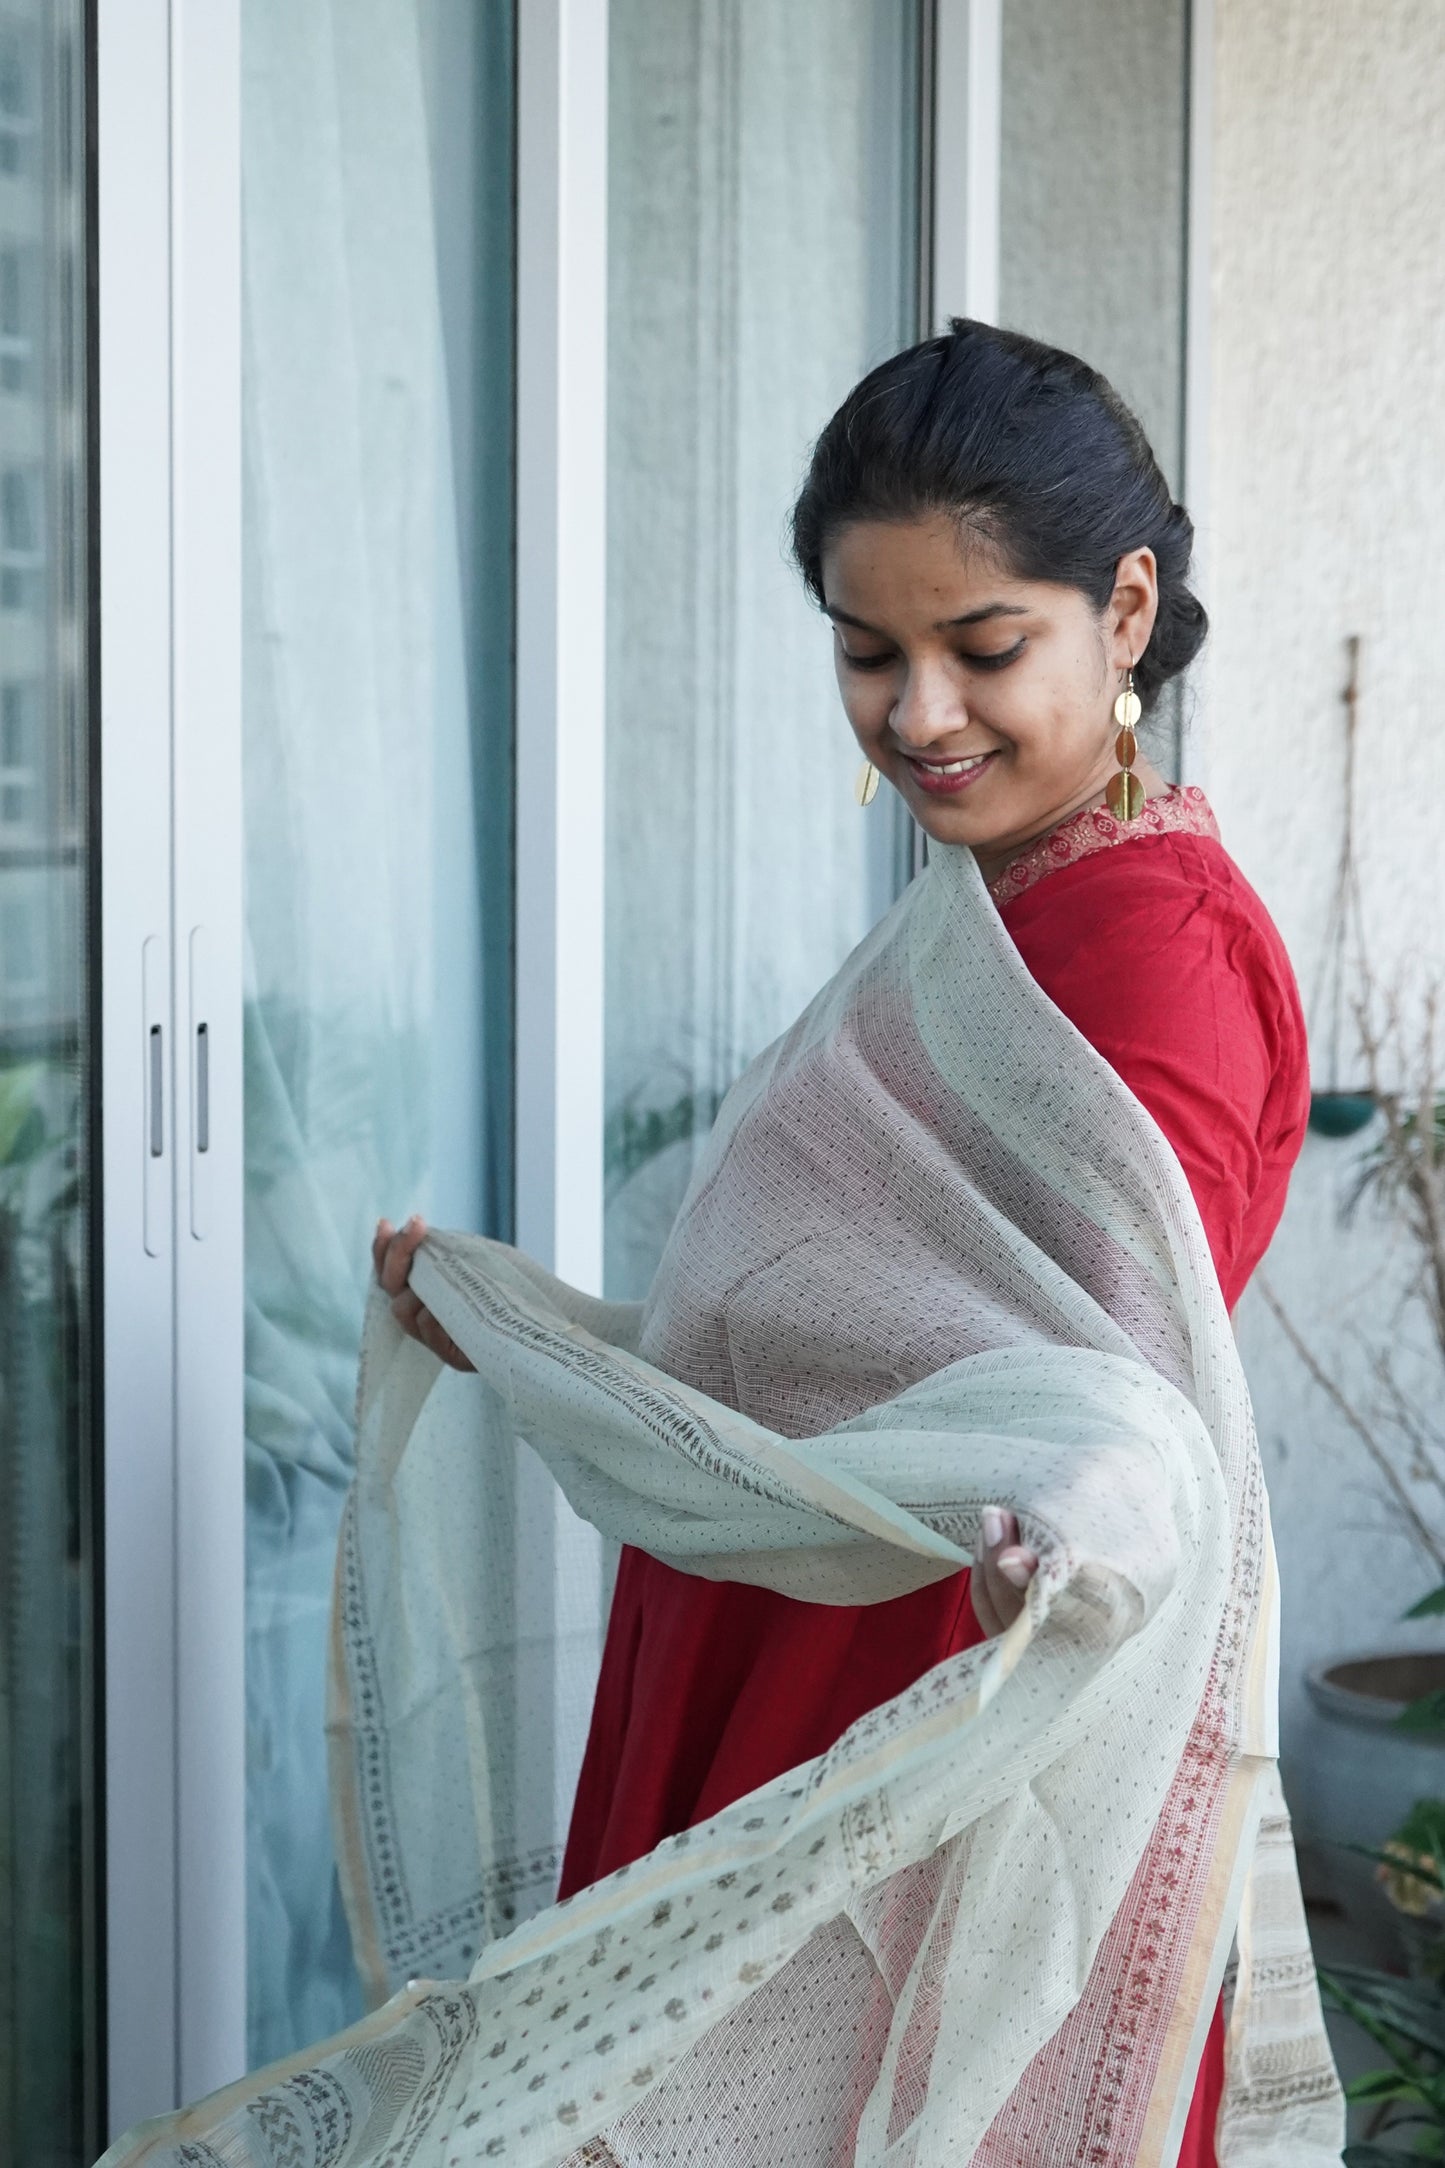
(957,824)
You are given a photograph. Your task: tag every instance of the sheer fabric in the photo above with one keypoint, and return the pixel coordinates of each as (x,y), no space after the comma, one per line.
(991,1922)
(738,872)
(710,1689)
(367,857)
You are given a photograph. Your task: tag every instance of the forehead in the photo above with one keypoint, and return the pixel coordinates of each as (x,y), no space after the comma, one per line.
(926,568)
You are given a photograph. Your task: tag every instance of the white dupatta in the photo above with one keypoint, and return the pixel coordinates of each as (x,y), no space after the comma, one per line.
(945,1259)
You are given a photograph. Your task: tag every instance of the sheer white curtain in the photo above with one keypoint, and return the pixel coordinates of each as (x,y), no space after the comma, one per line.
(1094,121)
(1095,116)
(762,254)
(367,974)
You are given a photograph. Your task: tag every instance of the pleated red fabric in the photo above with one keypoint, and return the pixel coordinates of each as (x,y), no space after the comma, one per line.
(1168,964)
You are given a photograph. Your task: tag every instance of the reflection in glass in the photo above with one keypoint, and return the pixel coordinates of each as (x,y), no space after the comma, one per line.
(1092,194)
(49,1973)
(1092,208)
(377,611)
(763,247)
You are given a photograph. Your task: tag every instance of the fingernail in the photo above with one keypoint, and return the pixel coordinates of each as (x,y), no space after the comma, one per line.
(992,1526)
(1015,1570)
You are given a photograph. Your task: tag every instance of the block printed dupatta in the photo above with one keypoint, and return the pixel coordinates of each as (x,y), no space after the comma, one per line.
(956,1264)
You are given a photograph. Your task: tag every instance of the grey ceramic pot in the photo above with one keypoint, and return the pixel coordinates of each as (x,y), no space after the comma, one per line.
(1359,1774)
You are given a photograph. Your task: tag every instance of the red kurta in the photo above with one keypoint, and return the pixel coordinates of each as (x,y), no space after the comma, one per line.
(1167,962)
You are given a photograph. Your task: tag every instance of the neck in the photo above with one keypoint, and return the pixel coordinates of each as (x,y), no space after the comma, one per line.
(994,859)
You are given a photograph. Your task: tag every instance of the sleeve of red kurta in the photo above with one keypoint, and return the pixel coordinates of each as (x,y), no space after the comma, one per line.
(1165,959)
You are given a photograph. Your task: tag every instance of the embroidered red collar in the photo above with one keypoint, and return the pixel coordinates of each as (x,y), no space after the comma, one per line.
(1183,809)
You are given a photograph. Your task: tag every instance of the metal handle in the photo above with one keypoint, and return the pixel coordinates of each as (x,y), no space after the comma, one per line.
(156,1126)
(203,1087)
(202,1001)
(156,1173)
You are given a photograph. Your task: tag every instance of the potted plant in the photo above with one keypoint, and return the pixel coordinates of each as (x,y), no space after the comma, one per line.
(1404,2016)
(1384,1707)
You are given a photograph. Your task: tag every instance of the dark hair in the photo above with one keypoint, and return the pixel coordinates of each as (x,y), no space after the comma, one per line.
(1027,446)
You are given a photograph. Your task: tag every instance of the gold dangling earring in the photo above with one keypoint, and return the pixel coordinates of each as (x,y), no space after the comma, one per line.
(865,784)
(1125,792)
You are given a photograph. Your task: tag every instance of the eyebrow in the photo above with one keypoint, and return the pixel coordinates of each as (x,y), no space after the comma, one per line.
(980,616)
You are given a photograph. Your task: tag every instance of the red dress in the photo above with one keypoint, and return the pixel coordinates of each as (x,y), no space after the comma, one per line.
(1167,962)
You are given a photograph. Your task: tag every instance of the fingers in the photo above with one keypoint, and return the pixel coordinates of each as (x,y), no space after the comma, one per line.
(414,1318)
(439,1340)
(393,1249)
(1002,1571)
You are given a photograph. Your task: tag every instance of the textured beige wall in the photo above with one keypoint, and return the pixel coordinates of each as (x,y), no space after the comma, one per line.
(1327,517)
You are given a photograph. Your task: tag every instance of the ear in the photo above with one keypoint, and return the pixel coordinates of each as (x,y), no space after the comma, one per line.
(1132,608)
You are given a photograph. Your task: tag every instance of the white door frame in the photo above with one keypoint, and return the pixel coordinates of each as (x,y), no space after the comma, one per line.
(967,88)
(206,859)
(561,625)
(168,144)
(133,251)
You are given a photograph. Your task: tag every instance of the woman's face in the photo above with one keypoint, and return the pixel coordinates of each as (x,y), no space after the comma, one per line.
(986,700)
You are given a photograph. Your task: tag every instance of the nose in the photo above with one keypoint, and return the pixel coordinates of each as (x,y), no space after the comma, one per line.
(930,708)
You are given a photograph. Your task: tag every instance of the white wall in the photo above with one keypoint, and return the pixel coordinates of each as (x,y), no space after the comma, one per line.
(1328,518)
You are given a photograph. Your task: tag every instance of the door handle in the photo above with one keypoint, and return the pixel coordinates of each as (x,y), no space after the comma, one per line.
(200,1064)
(155,1160)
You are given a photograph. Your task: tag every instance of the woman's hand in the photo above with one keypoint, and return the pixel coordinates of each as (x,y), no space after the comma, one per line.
(1002,1572)
(392,1251)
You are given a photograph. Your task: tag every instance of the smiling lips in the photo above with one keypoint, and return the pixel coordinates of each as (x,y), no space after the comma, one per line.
(946,778)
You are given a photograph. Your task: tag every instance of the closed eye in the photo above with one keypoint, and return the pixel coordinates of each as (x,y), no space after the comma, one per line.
(996,662)
(1000,661)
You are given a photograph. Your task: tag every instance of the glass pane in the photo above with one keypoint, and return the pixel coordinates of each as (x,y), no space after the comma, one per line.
(763,210)
(1092,193)
(378,337)
(49,1972)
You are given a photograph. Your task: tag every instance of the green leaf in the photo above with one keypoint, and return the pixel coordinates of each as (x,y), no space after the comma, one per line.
(26,1139)
(1376,2156)
(1423,1870)
(1426,1714)
(1385,2085)
(1391,2010)
(1429,1606)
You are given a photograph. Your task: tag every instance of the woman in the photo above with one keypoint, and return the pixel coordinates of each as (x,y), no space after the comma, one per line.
(938,1292)
(983,630)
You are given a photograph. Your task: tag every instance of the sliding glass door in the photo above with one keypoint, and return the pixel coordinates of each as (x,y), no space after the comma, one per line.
(50,2077)
(377,754)
(1093,130)
(1093,177)
(489,400)
(763,251)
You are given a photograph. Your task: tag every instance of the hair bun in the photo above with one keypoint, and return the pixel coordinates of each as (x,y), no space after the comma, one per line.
(1024,442)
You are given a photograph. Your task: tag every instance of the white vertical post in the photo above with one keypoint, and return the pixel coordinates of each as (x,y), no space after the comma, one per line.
(207,948)
(133,242)
(1197,336)
(168,92)
(561,629)
(561,620)
(967,100)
